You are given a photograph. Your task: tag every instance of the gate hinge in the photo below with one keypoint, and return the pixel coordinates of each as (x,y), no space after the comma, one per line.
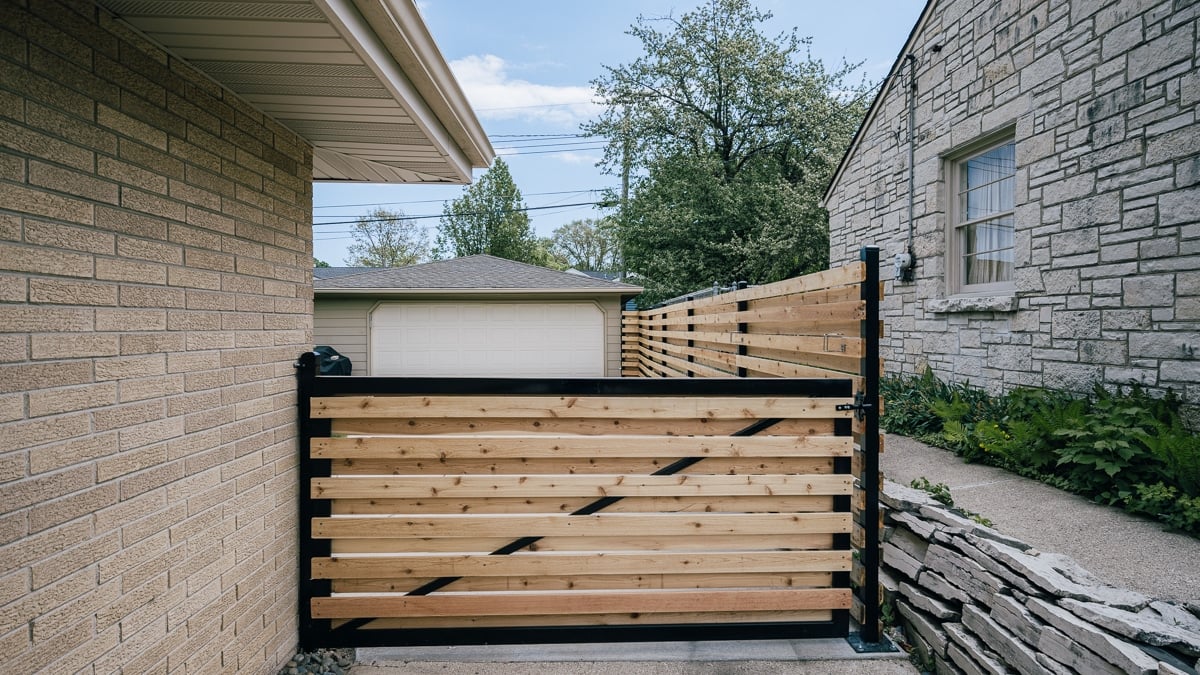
(860,406)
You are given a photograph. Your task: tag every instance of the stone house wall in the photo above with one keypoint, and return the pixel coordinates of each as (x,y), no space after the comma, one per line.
(1101,98)
(155,288)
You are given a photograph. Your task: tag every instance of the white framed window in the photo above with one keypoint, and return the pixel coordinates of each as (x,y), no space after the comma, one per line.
(982,188)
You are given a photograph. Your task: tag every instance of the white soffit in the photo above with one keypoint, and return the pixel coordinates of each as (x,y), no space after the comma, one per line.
(361,80)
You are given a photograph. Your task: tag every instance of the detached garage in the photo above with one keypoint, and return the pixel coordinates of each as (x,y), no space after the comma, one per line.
(478,316)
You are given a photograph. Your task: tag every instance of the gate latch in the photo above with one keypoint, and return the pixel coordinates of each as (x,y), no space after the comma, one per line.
(860,406)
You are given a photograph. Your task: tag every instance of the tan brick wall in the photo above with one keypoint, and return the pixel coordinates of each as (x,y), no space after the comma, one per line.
(155,249)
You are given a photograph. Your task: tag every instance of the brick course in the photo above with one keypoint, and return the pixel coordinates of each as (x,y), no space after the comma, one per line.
(1102,97)
(155,251)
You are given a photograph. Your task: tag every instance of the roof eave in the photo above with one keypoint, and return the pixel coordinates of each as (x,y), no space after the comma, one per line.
(391,37)
(624,290)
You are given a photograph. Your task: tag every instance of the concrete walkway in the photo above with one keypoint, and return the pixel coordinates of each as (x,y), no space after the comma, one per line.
(746,657)
(1120,549)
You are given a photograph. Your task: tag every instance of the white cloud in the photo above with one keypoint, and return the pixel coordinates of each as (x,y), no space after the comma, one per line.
(577,157)
(494,95)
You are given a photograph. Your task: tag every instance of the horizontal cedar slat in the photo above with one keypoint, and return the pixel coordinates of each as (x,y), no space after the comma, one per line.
(483,544)
(568,465)
(574,485)
(581,465)
(851,273)
(548,505)
(808,344)
(567,564)
(672,618)
(646,349)
(585,582)
(558,446)
(582,602)
(734,360)
(583,427)
(810,314)
(518,525)
(658,407)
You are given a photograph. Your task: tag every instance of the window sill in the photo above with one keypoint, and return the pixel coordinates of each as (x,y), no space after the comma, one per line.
(997,303)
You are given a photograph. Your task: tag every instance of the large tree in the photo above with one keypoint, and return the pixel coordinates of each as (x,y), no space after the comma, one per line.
(586,244)
(489,218)
(729,137)
(385,238)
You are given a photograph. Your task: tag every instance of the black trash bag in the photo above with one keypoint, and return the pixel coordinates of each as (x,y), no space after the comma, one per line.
(330,362)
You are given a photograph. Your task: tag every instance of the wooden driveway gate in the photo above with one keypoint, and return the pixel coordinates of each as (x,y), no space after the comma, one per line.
(462,511)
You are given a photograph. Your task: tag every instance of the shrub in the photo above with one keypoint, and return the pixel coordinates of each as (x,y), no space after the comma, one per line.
(1123,447)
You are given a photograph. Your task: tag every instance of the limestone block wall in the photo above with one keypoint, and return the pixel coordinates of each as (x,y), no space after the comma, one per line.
(155,288)
(1101,98)
(972,600)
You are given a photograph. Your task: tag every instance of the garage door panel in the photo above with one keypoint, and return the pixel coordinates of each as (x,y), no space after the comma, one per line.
(480,339)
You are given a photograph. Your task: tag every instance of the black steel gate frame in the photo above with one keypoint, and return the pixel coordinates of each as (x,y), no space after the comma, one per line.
(318,633)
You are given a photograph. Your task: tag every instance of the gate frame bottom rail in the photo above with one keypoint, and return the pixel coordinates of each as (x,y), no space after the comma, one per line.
(320,633)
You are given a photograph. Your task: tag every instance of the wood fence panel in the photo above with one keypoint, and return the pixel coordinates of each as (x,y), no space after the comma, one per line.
(822,325)
(460,516)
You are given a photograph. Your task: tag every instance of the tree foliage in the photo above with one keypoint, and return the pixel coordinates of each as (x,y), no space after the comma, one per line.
(587,244)
(731,137)
(386,238)
(489,218)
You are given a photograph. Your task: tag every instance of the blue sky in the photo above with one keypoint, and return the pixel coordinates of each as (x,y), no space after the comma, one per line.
(526,66)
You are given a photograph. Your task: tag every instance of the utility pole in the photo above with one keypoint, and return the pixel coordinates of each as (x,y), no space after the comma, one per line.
(624,189)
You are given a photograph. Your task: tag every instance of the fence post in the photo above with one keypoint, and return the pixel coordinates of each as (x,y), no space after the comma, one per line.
(691,311)
(742,327)
(870,444)
(313,633)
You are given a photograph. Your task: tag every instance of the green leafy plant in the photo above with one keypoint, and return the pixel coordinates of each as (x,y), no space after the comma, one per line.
(1168,504)
(1106,455)
(940,492)
(1123,446)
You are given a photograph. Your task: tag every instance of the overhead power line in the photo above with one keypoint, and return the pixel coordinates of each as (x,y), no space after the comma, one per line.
(439,201)
(475,213)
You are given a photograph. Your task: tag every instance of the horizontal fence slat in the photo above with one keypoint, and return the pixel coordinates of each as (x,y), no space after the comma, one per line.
(558,445)
(585,427)
(812,314)
(574,485)
(852,273)
(660,524)
(733,360)
(599,620)
(568,564)
(646,351)
(582,602)
(685,542)
(752,504)
(591,582)
(661,407)
(835,345)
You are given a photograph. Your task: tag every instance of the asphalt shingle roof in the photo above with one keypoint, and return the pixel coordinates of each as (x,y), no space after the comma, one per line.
(476,272)
(332,272)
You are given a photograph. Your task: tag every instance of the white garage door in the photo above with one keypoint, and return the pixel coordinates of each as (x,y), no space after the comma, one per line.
(487,339)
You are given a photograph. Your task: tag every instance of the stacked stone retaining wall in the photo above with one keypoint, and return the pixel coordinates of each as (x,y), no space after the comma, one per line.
(971,600)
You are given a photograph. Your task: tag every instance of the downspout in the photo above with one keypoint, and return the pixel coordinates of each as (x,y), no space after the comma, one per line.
(905,267)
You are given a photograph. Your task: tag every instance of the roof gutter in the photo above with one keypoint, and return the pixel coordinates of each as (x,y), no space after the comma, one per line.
(628,290)
(391,37)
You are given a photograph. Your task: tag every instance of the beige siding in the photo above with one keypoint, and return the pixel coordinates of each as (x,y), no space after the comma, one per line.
(155,247)
(344,324)
(612,336)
